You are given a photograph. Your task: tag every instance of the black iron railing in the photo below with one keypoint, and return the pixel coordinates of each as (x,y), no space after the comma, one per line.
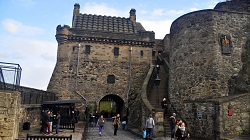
(10,76)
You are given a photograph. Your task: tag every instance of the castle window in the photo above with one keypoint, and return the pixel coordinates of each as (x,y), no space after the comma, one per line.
(153,53)
(87,49)
(116,51)
(73,49)
(141,53)
(111,79)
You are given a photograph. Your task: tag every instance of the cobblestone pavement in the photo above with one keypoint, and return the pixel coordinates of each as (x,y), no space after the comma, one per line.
(108,133)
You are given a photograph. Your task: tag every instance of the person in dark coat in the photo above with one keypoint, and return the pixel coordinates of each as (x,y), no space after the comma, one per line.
(73,117)
(45,122)
(172,124)
(96,117)
(124,122)
(58,120)
(182,132)
(164,106)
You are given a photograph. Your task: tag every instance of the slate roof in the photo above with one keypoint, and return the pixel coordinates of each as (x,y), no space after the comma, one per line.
(104,23)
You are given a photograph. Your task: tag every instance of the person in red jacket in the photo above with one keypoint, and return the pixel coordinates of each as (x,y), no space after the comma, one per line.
(182,132)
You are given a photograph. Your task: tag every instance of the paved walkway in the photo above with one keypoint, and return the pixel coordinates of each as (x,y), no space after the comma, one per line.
(108,134)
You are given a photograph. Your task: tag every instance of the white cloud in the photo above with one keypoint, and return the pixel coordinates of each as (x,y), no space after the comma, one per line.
(102,9)
(162,28)
(206,5)
(175,12)
(193,9)
(36,76)
(30,48)
(158,12)
(17,28)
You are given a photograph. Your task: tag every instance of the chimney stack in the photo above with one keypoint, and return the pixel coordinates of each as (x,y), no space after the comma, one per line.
(132,16)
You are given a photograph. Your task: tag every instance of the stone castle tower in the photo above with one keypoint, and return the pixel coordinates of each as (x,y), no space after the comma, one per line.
(101,57)
(209,69)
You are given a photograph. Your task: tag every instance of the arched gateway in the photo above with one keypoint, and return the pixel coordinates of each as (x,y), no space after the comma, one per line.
(111,104)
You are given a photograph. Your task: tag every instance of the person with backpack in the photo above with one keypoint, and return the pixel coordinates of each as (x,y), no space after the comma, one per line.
(150,124)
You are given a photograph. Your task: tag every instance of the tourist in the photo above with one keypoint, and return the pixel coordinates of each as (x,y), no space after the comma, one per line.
(182,132)
(178,123)
(100,124)
(164,106)
(73,118)
(172,124)
(116,123)
(150,124)
(96,117)
(51,117)
(77,116)
(45,121)
(58,119)
(42,121)
(124,122)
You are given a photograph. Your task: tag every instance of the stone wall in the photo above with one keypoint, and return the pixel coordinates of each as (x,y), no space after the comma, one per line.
(199,70)
(31,114)
(239,122)
(212,119)
(9,114)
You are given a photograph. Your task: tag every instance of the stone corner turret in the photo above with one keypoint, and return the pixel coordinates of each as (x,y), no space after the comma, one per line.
(62,33)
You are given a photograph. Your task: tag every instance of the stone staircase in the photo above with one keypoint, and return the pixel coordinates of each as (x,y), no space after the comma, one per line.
(155,98)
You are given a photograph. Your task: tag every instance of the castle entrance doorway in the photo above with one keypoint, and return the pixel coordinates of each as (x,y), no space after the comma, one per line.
(110,105)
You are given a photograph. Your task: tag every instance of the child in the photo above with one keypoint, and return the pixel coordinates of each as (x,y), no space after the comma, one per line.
(144,135)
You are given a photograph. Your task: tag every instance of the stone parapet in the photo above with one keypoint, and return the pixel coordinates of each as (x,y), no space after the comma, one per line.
(219,118)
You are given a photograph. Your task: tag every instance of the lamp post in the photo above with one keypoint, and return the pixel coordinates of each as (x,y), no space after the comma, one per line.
(157,83)
(129,80)
(158,68)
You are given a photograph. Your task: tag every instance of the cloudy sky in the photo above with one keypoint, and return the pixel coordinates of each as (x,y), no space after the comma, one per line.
(28,27)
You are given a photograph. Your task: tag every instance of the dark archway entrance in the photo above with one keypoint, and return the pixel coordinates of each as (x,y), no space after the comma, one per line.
(110,105)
